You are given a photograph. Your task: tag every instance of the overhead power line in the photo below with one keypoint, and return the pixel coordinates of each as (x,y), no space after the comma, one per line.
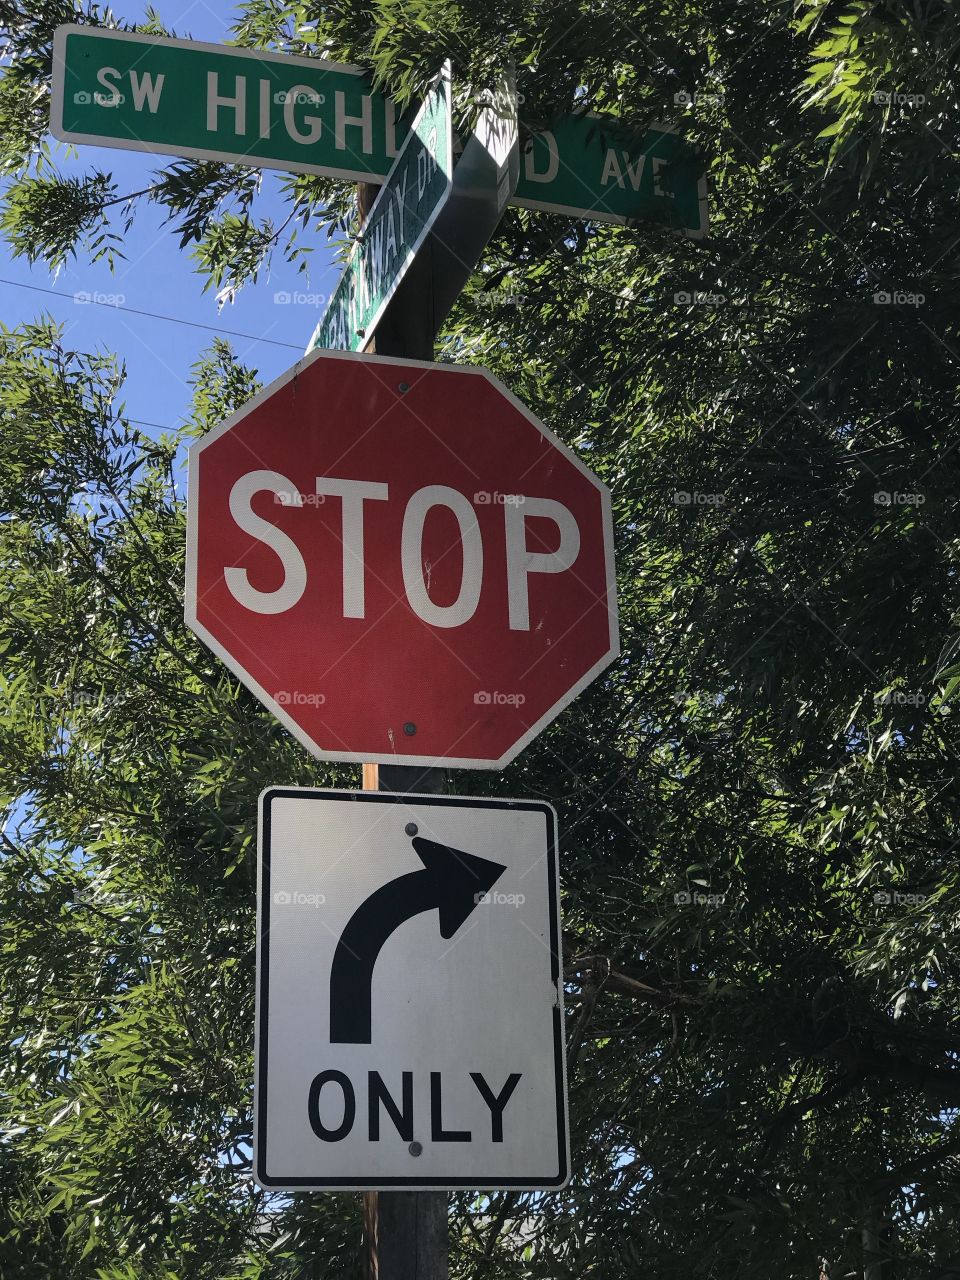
(153,315)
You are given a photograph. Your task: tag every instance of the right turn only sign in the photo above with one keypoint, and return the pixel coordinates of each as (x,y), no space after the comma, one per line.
(410,1016)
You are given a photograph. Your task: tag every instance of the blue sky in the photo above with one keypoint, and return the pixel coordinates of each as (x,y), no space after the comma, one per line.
(158,276)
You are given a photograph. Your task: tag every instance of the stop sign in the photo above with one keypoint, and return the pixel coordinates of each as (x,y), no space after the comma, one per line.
(400,561)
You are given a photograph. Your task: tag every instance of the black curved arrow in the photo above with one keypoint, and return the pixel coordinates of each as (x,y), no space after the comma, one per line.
(451,882)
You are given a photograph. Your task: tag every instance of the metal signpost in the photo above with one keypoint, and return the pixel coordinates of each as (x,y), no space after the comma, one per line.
(410,1024)
(405,1233)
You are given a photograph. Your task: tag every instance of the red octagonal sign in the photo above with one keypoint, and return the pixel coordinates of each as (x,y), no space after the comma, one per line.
(400,561)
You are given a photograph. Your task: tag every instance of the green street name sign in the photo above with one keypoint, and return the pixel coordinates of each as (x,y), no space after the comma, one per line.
(412,196)
(213,102)
(268,110)
(590,166)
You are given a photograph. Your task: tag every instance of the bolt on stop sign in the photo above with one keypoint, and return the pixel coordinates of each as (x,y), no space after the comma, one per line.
(400,561)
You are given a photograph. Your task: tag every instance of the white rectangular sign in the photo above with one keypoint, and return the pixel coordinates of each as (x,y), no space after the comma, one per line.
(409,994)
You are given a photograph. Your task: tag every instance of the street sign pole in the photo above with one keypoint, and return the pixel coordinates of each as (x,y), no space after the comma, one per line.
(405,1233)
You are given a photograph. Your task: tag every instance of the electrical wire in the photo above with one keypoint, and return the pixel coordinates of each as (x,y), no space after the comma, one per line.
(153,315)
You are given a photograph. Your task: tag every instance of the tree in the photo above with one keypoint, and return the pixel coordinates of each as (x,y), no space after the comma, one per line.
(759,801)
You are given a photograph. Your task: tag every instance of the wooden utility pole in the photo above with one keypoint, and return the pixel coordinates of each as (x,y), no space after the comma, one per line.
(405,1233)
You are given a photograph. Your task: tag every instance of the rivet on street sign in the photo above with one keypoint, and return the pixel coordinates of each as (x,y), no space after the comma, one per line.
(409,995)
(406,207)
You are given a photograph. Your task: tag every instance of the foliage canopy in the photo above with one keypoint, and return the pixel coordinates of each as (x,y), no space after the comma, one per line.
(759,1083)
